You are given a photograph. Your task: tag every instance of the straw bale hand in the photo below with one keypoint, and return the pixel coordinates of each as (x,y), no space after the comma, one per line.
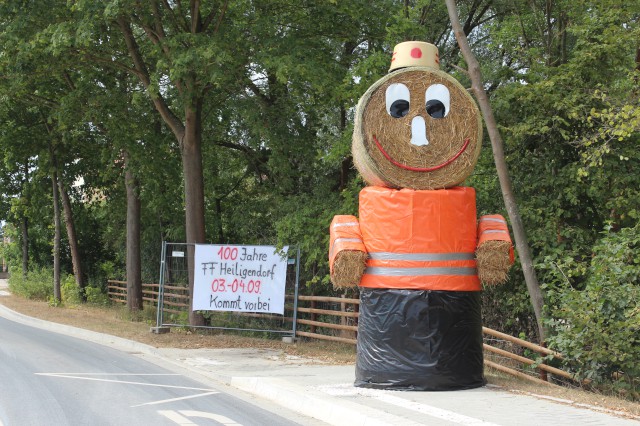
(494,260)
(348,268)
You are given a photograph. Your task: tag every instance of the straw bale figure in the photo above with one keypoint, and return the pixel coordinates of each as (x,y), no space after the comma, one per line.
(417,250)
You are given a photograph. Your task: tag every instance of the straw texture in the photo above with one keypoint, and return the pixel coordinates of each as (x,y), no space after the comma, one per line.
(446,135)
(493,261)
(348,268)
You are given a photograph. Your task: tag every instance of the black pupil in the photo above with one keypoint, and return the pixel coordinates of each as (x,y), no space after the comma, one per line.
(435,108)
(399,108)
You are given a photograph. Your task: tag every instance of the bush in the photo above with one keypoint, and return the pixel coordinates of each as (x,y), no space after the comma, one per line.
(96,296)
(37,285)
(598,328)
(70,291)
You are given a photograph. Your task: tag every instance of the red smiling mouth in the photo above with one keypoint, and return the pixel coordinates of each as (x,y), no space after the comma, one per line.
(421,169)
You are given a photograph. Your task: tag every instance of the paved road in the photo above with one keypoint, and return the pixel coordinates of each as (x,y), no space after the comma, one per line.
(51,379)
(306,388)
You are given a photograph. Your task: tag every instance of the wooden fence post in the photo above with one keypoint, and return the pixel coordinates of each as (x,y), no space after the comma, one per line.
(314,316)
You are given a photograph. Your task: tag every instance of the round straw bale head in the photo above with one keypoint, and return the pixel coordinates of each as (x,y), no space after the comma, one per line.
(382,146)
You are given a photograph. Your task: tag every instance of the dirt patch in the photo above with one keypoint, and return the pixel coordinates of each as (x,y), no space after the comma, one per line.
(118,322)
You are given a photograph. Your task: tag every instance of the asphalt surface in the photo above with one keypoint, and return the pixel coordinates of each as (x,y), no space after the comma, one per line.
(54,379)
(326,393)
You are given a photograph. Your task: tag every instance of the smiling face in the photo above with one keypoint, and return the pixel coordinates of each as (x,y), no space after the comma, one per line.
(416,128)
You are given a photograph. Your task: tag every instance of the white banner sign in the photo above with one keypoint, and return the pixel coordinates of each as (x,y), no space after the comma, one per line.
(239,278)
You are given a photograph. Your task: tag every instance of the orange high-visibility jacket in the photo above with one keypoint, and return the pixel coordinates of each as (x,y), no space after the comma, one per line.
(421,240)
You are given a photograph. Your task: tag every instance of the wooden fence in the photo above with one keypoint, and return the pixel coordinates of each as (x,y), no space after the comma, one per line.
(336,319)
(176,298)
(330,318)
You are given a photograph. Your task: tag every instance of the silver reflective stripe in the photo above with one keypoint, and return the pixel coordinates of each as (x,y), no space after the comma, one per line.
(337,225)
(415,272)
(349,240)
(494,231)
(492,219)
(426,257)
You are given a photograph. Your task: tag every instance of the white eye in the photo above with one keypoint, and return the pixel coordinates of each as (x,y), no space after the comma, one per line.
(397,97)
(438,101)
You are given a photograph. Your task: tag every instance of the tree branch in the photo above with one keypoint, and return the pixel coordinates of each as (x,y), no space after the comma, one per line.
(176,126)
(209,19)
(179,26)
(255,158)
(159,28)
(256,91)
(112,63)
(134,52)
(196,21)
(67,78)
(157,35)
(520,235)
(42,100)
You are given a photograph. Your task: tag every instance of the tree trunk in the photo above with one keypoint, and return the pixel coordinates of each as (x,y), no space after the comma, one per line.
(191,148)
(73,240)
(520,235)
(635,77)
(134,269)
(220,238)
(57,294)
(24,226)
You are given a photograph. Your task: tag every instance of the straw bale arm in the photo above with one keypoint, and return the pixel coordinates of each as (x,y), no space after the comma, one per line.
(347,253)
(495,251)
(494,261)
(348,268)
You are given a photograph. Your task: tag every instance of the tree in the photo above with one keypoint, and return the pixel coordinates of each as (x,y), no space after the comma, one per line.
(17,164)
(568,109)
(134,271)
(505,181)
(57,293)
(30,79)
(173,50)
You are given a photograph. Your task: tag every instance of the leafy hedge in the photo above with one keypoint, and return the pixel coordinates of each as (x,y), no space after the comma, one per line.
(38,285)
(598,327)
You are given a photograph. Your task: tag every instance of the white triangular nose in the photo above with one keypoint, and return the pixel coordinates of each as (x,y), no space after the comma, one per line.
(418,132)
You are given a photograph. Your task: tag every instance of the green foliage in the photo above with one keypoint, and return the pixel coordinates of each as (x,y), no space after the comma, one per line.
(97,296)
(11,251)
(70,292)
(598,328)
(38,284)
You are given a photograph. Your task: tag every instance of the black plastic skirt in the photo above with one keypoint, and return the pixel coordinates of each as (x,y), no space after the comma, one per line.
(419,340)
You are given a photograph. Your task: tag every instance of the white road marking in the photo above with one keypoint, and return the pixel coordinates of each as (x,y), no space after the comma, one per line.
(181,417)
(175,399)
(116,374)
(176,418)
(67,376)
(212,416)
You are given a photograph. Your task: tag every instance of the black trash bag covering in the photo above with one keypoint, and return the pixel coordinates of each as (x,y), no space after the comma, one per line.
(419,340)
